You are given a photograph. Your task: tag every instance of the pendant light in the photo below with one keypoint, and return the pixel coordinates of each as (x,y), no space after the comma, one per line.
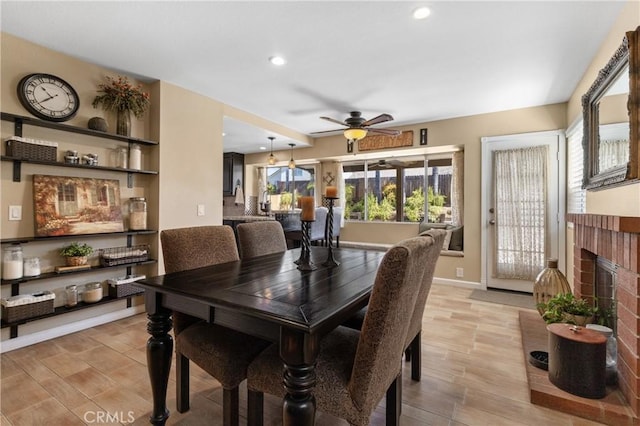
(292,164)
(272,158)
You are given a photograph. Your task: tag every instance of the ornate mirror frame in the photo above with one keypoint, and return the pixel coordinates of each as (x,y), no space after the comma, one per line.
(627,53)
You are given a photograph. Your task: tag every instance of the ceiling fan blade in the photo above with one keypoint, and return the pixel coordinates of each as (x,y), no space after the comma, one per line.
(379,119)
(390,132)
(333,120)
(327,131)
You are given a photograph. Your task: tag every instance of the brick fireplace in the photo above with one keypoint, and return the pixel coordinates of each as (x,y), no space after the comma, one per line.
(616,239)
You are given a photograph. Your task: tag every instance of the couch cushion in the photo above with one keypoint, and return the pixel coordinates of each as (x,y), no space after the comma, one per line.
(456,242)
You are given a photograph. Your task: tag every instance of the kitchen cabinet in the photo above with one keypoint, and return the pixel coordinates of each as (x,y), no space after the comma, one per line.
(232,173)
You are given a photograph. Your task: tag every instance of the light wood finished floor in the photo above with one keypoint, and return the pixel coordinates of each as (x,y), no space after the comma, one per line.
(473,373)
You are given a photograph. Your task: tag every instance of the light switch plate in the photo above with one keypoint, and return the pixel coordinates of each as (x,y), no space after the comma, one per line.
(15,212)
(200,209)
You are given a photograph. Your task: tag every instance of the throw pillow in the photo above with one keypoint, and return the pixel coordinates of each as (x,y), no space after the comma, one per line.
(456,242)
(447,240)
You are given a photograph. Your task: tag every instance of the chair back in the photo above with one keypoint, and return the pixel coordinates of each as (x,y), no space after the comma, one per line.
(196,247)
(433,253)
(260,238)
(381,344)
(317,228)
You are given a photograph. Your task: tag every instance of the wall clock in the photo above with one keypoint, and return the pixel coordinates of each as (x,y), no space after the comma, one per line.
(48,97)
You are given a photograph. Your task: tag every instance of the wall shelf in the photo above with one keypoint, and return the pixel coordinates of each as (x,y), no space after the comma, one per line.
(60,310)
(24,240)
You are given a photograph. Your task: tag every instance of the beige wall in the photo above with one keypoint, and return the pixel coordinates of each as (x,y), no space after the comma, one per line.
(465,132)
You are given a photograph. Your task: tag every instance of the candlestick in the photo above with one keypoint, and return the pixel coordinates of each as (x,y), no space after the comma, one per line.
(308,209)
(332,192)
(304,262)
(331,261)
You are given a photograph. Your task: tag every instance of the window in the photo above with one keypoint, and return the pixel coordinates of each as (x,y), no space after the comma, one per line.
(576,196)
(285,185)
(395,190)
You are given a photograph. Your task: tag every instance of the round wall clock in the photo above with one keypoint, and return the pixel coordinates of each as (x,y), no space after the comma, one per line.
(48,97)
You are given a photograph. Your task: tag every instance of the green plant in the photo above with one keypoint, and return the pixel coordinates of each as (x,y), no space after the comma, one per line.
(562,308)
(119,94)
(76,249)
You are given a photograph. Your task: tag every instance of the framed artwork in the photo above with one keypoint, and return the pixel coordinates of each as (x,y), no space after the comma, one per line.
(73,206)
(375,142)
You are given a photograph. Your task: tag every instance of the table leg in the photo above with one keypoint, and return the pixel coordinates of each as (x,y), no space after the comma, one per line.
(159,352)
(299,351)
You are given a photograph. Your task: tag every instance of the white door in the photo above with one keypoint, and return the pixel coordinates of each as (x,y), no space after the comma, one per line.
(522,207)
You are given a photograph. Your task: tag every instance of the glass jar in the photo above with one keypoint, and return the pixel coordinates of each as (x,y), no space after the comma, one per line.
(135,157)
(31,267)
(121,157)
(71,295)
(611,362)
(12,263)
(137,213)
(92,292)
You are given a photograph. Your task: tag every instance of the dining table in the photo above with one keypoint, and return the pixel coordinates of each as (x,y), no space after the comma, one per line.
(268,297)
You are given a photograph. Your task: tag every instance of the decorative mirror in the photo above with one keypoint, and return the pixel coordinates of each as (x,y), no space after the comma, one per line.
(611,119)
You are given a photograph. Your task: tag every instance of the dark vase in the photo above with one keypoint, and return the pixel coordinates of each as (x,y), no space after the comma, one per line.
(123,122)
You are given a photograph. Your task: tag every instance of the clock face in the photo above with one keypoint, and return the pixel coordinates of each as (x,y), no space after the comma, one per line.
(48,97)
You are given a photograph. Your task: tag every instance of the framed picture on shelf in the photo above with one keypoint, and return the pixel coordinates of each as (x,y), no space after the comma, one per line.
(74,206)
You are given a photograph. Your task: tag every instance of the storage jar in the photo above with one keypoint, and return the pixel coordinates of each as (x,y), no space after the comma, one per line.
(12,263)
(135,157)
(31,267)
(71,295)
(137,213)
(92,292)
(611,362)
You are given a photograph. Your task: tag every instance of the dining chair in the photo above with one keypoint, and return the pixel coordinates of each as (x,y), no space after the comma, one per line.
(317,228)
(413,346)
(223,353)
(260,238)
(355,369)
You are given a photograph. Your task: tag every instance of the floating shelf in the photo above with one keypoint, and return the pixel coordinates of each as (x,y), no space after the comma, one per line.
(24,240)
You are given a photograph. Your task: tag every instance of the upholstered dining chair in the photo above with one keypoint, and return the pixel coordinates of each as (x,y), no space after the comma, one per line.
(223,353)
(355,369)
(260,238)
(413,347)
(317,228)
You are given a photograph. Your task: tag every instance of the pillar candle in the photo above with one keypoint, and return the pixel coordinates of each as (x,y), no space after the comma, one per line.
(308,209)
(332,192)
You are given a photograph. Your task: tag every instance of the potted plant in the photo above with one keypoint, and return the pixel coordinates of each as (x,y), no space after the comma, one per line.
(565,307)
(76,253)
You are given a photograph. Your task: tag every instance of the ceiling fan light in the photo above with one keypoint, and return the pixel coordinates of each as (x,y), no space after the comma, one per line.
(355,134)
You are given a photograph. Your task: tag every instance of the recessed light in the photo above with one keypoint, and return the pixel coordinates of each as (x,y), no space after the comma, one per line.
(224,134)
(277,60)
(421,13)
(263,148)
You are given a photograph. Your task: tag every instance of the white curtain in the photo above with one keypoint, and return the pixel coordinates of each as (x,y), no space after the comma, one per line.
(520,177)
(457,189)
(612,153)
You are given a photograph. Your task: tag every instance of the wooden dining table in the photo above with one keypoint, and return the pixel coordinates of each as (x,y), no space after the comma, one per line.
(267,297)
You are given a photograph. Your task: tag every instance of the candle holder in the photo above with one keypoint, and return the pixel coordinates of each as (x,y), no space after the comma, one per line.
(304,262)
(331,261)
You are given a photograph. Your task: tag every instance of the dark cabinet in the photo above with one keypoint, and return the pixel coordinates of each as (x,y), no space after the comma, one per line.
(232,173)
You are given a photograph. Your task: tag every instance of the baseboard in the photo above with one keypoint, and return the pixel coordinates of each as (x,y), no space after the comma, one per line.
(457,283)
(41,336)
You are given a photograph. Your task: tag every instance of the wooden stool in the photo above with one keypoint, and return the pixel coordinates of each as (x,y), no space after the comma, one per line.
(577,358)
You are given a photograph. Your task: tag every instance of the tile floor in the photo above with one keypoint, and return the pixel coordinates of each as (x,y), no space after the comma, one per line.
(473,373)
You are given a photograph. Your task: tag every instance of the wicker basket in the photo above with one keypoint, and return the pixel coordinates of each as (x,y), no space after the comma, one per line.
(34,150)
(27,310)
(124,290)
(76,260)
(123,255)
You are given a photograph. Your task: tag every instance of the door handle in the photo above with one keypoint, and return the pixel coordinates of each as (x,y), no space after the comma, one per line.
(492,222)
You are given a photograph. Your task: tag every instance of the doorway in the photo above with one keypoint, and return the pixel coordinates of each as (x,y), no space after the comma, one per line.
(522,208)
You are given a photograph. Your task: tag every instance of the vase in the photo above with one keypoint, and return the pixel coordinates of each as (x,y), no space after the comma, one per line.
(549,283)
(123,122)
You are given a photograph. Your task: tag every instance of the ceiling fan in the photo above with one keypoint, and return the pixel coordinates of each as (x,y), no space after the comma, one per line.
(387,164)
(358,126)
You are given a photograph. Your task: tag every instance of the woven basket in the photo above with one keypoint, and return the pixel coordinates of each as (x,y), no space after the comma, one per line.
(123,290)
(76,260)
(31,151)
(123,255)
(30,310)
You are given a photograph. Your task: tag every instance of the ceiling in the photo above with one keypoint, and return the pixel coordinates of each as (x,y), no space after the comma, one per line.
(466,58)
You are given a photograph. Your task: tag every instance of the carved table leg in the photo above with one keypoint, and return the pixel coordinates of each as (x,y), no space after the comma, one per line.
(159,352)
(298,351)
